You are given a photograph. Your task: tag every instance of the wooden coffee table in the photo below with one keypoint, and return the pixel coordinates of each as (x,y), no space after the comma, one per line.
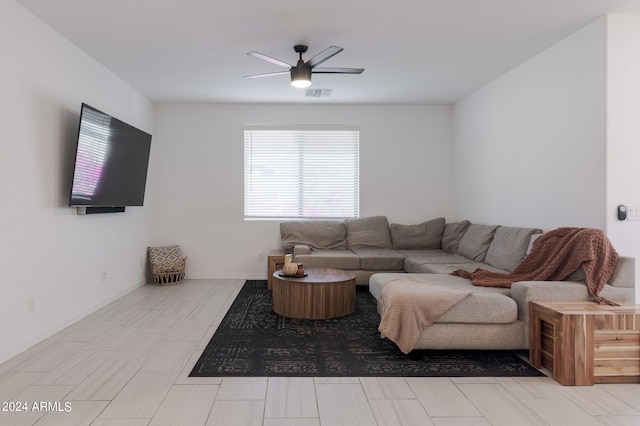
(323,294)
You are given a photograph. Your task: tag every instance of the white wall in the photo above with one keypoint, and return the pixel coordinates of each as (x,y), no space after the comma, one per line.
(623,132)
(554,142)
(405,174)
(530,146)
(48,252)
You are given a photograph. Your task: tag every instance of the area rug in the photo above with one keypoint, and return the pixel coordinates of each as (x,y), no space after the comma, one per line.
(251,341)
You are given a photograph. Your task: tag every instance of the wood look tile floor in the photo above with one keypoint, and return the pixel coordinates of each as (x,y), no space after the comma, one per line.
(128,364)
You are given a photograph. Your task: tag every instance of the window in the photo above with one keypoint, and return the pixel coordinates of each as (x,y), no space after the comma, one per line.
(301,173)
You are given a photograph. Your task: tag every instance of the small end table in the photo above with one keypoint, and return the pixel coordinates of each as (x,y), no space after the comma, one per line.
(275,262)
(584,343)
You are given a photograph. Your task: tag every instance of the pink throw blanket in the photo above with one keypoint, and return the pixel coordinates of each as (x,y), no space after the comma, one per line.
(409,305)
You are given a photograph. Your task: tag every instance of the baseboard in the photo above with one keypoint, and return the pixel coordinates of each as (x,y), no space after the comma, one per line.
(227,277)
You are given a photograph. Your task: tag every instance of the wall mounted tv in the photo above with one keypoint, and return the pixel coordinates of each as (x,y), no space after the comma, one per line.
(110,170)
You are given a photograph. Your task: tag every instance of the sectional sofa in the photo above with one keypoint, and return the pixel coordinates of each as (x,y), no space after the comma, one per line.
(490,318)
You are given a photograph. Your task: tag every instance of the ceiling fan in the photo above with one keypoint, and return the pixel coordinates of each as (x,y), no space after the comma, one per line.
(301,72)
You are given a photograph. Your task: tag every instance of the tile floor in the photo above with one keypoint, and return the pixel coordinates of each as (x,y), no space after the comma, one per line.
(128,364)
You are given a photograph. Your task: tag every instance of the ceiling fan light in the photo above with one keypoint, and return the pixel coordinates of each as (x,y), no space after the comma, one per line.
(301,77)
(300,84)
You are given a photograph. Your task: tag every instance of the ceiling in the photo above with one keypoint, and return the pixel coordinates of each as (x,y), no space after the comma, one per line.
(414,51)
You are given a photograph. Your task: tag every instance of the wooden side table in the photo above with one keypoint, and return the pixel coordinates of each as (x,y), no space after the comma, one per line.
(584,343)
(275,262)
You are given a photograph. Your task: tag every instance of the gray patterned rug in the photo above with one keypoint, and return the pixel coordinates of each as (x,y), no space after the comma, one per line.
(251,341)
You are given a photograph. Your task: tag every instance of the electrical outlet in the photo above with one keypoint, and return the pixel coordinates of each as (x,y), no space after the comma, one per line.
(103,276)
(31,304)
(260,257)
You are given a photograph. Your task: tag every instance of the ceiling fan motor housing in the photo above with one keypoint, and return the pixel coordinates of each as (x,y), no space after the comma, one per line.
(301,73)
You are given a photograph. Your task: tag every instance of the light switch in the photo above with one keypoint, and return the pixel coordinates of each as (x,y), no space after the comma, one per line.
(634,213)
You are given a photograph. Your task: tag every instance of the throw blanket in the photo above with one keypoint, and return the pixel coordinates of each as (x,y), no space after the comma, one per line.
(554,256)
(408,305)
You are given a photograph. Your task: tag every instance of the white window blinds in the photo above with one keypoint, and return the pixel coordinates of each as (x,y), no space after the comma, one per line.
(301,173)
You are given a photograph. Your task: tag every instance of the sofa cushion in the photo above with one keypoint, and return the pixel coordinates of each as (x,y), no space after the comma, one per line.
(426,235)
(380,259)
(413,264)
(533,240)
(378,280)
(425,254)
(486,305)
(368,232)
(317,234)
(338,259)
(577,275)
(299,249)
(475,242)
(447,268)
(453,233)
(482,308)
(509,246)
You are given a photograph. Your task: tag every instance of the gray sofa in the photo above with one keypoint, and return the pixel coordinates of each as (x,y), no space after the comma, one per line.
(490,318)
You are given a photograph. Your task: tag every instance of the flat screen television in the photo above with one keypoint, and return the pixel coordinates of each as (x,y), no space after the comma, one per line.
(112,158)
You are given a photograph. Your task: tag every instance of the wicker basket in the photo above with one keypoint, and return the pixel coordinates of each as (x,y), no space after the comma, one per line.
(167,264)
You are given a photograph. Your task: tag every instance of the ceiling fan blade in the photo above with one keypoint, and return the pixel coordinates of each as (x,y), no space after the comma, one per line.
(269,74)
(323,56)
(337,70)
(270,59)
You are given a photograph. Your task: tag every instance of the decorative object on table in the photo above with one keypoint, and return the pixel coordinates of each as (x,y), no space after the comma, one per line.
(167,264)
(290,268)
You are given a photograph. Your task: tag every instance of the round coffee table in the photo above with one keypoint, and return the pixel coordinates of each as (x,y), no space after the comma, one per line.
(323,294)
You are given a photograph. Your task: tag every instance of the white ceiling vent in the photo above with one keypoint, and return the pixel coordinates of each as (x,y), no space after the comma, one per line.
(318,93)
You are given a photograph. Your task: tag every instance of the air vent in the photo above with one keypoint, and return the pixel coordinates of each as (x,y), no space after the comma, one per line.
(318,93)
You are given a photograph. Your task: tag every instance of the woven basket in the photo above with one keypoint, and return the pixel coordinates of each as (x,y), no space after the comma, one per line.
(167,264)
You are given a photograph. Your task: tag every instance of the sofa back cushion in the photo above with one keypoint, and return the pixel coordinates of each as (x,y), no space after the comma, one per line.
(453,233)
(426,235)
(317,234)
(509,246)
(476,241)
(577,275)
(368,232)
